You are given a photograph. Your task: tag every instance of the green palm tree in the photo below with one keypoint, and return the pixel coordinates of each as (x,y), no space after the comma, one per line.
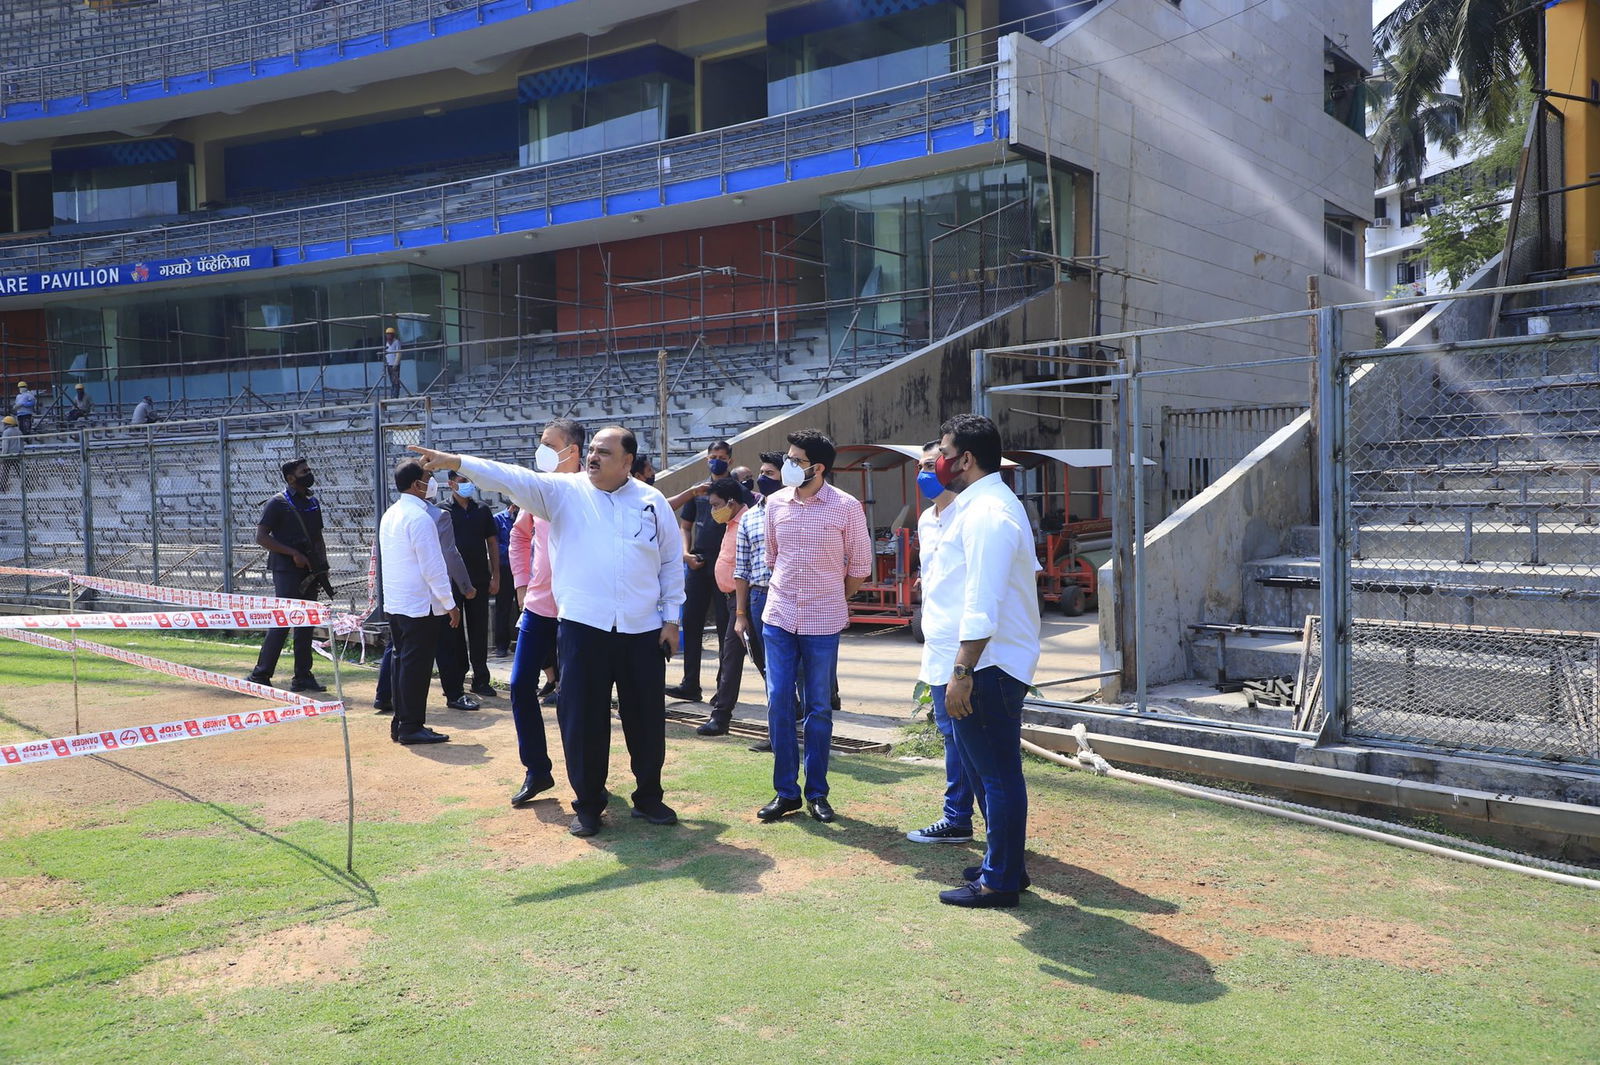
(1494,46)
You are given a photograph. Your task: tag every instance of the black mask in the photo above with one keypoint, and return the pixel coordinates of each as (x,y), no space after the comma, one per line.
(305,480)
(650,479)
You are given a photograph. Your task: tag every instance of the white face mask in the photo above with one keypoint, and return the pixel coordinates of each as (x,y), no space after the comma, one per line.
(432,494)
(794,474)
(547,459)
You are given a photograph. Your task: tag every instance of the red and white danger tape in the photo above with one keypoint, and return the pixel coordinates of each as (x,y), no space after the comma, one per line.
(166,732)
(263,611)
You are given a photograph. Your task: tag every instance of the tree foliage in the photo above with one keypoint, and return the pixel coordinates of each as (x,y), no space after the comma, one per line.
(1468,225)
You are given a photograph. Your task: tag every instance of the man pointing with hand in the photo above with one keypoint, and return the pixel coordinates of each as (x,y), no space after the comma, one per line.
(617,575)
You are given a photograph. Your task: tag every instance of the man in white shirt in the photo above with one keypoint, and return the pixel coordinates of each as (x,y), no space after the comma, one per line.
(616,563)
(980,615)
(416,593)
(955,823)
(391,359)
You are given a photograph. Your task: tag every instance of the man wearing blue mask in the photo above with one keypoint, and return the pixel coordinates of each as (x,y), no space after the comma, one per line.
(955,825)
(702,542)
(479,544)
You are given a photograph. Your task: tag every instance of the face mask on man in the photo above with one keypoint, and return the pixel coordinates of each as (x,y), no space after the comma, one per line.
(929,485)
(431,493)
(717,466)
(767,485)
(942,470)
(467,490)
(547,459)
(794,474)
(306,480)
(721,514)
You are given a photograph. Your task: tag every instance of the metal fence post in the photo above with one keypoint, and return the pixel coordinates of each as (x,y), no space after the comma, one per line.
(224,467)
(155,514)
(1333,514)
(1136,439)
(87,492)
(980,394)
(1122,536)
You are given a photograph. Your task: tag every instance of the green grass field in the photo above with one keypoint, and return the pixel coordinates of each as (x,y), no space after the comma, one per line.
(1160,929)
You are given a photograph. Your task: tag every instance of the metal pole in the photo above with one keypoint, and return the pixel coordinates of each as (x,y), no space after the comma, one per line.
(226,494)
(87,493)
(1122,533)
(980,395)
(1334,528)
(72,608)
(349,772)
(155,513)
(661,406)
(1136,436)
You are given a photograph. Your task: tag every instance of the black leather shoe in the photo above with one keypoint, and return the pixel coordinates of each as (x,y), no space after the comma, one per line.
(533,784)
(421,735)
(256,678)
(462,702)
(583,826)
(658,813)
(488,691)
(382,708)
(688,695)
(974,897)
(777,808)
(548,690)
(306,684)
(712,727)
(822,810)
(971,873)
(762,745)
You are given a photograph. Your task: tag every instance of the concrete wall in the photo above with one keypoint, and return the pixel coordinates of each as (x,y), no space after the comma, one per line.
(1214,162)
(906,401)
(1193,558)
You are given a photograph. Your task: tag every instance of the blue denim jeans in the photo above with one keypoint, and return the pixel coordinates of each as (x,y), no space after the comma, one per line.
(958,790)
(990,742)
(535,642)
(813,660)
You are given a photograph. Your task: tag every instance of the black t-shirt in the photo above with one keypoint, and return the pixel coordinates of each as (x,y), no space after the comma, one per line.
(707,534)
(283,526)
(474,527)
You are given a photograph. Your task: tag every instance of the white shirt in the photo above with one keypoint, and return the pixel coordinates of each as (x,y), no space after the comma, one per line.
(415,581)
(391,351)
(979,584)
(616,558)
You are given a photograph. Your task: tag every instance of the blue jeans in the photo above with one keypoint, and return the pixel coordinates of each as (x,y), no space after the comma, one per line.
(535,642)
(990,742)
(815,661)
(958,790)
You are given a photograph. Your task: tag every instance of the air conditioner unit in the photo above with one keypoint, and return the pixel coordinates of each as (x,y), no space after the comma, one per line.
(1382,223)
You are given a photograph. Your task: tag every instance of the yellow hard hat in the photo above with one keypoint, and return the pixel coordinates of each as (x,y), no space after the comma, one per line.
(9,420)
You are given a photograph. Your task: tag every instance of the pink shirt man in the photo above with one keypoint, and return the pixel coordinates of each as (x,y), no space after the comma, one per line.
(812,546)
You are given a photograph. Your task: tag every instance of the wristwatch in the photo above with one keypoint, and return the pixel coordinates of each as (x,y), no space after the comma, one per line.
(960,671)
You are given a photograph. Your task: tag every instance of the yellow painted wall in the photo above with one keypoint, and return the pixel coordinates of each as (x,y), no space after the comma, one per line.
(1572,61)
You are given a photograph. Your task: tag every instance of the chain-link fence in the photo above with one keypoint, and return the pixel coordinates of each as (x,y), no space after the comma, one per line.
(982,266)
(1471,517)
(177,503)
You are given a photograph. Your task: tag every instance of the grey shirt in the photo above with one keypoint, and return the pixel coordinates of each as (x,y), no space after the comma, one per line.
(11,442)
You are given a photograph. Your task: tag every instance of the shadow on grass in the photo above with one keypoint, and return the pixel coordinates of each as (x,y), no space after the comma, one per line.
(1077,945)
(450,753)
(690,850)
(354,883)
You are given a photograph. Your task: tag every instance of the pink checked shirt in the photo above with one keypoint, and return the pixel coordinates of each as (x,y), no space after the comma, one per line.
(812,546)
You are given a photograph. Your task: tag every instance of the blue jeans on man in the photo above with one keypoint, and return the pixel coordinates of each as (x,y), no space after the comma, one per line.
(958,788)
(990,743)
(813,661)
(536,642)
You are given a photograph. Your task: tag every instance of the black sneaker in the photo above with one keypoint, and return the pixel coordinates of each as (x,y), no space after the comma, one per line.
(972,872)
(974,897)
(941,831)
(462,702)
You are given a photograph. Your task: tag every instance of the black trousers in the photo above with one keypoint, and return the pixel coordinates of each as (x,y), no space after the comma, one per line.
(701,596)
(505,611)
(730,661)
(592,662)
(285,583)
(470,642)
(414,642)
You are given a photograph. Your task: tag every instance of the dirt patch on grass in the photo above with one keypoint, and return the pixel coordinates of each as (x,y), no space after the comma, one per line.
(23,896)
(1398,943)
(316,954)
(535,835)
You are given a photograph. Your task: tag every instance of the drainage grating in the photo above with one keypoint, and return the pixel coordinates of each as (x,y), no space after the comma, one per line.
(843,744)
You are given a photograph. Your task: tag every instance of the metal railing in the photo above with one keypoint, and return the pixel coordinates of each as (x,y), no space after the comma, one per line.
(163,48)
(533,197)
